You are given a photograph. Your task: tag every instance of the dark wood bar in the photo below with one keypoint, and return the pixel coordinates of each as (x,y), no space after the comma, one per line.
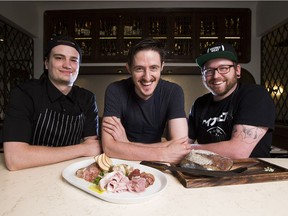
(106,35)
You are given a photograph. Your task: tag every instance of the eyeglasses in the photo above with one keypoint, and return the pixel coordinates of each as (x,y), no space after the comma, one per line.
(222,69)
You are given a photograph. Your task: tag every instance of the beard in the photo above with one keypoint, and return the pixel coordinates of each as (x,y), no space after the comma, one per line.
(222,90)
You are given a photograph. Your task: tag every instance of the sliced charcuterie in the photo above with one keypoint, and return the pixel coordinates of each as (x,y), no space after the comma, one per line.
(115,178)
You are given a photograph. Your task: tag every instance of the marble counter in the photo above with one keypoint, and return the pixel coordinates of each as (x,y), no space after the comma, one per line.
(43,191)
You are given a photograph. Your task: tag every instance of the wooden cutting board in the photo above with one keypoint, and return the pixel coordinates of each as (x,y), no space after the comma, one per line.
(261,172)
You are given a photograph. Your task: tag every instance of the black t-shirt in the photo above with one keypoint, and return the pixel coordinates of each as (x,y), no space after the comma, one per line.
(29,99)
(144,120)
(212,121)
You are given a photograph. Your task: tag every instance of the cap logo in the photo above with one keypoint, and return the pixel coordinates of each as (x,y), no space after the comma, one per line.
(216,49)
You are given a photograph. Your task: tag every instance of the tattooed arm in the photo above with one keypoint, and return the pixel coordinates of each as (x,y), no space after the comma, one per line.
(243,140)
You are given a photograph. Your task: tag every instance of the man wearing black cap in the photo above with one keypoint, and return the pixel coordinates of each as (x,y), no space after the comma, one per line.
(235,119)
(48,118)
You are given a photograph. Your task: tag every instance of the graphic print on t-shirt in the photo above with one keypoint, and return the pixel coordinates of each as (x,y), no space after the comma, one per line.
(213,124)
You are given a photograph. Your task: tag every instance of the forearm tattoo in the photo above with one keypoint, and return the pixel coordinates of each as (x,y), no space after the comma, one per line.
(249,134)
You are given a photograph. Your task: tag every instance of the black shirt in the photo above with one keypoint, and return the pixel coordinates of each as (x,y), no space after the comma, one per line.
(30,99)
(212,121)
(144,120)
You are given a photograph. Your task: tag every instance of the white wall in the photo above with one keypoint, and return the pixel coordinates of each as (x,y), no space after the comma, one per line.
(270,14)
(192,86)
(22,14)
(29,15)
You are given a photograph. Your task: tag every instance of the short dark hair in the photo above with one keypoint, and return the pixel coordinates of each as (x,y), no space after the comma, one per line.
(147,44)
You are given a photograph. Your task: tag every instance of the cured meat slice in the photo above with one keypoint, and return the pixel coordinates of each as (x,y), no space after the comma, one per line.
(136,184)
(89,173)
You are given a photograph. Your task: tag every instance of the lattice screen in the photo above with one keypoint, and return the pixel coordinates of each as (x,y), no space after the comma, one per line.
(16,61)
(274,70)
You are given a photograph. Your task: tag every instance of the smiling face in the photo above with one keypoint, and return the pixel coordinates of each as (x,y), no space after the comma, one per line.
(221,85)
(146,72)
(63,65)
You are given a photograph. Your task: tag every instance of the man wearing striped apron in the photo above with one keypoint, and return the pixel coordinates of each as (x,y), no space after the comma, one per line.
(51,120)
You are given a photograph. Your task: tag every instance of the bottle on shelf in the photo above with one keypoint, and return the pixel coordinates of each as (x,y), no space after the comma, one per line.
(87,28)
(54,33)
(101,28)
(114,30)
(202,29)
(238,26)
(232,26)
(226,26)
(213,30)
(152,28)
(134,28)
(60,28)
(176,28)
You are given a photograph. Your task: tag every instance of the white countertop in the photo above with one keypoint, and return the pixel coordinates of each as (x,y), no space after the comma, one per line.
(43,191)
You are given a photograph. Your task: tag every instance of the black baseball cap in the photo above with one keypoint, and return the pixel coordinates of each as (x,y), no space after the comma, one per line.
(62,40)
(217,50)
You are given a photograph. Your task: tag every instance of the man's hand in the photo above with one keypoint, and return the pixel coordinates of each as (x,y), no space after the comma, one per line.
(113,126)
(177,149)
(92,145)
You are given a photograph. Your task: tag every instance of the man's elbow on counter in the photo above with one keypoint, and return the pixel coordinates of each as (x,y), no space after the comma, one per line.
(10,165)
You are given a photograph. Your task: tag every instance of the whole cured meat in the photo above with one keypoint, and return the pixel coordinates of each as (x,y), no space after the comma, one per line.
(203,159)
